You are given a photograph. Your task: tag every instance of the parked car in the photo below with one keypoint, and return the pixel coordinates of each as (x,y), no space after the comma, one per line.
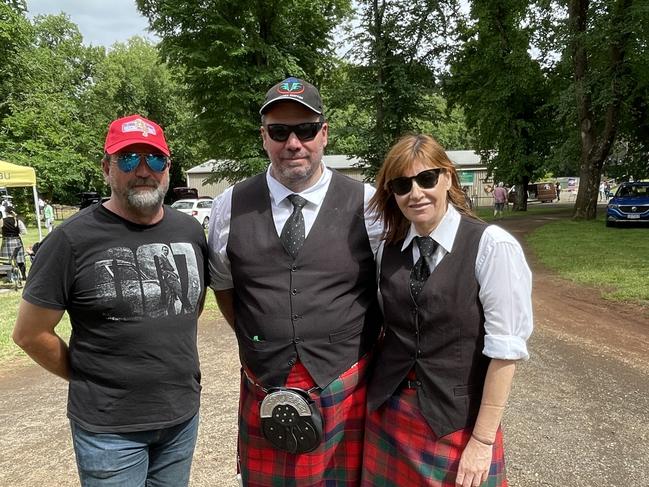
(629,205)
(88,198)
(543,192)
(184,193)
(199,208)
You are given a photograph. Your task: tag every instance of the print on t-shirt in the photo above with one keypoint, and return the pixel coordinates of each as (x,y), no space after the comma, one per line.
(154,281)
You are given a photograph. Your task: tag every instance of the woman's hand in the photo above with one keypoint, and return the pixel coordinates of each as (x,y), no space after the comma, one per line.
(474,464)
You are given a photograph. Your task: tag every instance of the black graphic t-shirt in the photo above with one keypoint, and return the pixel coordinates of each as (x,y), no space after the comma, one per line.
(133,293)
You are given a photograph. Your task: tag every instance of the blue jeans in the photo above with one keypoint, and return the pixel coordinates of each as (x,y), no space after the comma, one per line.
(154,458)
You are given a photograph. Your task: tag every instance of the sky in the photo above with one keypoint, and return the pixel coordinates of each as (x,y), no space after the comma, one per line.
(101,22)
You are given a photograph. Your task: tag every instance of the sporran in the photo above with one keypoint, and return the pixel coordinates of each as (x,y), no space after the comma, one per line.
(290,420)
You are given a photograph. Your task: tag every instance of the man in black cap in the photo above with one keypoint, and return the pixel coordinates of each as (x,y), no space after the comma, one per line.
(292,260)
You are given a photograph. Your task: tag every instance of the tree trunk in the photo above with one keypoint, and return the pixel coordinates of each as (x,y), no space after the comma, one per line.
(595,147)
(520,201)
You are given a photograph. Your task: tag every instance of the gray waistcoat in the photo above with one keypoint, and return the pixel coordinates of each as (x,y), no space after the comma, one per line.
(320,307)
(441,335)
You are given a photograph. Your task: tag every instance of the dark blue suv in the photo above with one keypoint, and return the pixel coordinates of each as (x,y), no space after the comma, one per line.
(630,204)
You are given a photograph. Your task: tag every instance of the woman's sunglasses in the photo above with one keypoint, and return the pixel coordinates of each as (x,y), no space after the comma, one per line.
(130,160)
(426,179)
(279,132)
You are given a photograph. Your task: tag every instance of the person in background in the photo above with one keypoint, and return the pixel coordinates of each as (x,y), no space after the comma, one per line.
(12,228)
(500,200)
(132,367)
(602,191)
(557,185)
(292,263)
(48,214)
(456,297)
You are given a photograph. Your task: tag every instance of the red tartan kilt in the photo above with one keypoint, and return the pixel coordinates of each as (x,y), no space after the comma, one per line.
(337,461)
(400,449)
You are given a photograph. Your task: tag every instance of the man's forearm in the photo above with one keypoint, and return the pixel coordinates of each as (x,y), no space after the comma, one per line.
(34,333)
(225,301)
(49,351)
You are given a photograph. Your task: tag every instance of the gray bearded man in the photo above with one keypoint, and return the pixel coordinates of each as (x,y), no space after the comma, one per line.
(132,362)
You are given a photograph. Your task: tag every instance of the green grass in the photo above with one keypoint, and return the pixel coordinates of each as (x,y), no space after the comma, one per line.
(616,260)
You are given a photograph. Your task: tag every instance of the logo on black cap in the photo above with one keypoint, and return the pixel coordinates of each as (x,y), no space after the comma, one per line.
(290,87)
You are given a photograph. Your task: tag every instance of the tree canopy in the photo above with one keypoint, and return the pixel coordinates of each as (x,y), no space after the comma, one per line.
(538,88)
(61,96)
(230,53)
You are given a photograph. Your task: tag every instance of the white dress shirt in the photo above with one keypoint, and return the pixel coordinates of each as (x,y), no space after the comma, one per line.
(505,284)
(281,208)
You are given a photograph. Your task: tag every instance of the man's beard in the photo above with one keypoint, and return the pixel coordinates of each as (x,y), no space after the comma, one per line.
(144,201)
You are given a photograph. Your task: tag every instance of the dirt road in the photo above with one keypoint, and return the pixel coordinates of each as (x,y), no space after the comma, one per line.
(578,415)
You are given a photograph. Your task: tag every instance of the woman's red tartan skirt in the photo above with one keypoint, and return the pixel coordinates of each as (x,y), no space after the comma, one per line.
(335,463)
(401,449)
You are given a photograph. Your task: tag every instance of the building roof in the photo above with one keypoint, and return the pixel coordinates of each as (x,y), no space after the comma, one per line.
(463,158)
(205,167)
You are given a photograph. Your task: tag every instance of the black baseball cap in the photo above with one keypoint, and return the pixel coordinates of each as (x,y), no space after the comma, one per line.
(293,89)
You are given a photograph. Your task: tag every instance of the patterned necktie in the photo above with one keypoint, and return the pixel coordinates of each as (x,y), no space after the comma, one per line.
(293,232)
(421,271)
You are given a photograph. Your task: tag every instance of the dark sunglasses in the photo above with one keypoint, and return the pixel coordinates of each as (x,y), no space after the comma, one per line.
(279,132)
(130,160)
(426,179)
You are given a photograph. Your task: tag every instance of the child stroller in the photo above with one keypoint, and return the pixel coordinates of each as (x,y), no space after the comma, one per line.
(9,270)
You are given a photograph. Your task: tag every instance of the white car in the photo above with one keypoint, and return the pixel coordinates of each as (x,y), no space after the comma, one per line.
(198,208)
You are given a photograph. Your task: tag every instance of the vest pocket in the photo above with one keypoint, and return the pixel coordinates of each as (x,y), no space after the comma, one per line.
(252,343)
(347,333)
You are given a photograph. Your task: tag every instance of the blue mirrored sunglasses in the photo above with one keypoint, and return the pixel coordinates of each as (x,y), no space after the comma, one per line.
(130,160)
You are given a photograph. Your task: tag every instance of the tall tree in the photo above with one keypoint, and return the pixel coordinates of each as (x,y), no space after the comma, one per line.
(43,127)
(398,46)
(600,37)
(503,92)
(15,37)
(230,53)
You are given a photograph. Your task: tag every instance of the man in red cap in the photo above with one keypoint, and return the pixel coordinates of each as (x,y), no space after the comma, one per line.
(292,260)
(132,362)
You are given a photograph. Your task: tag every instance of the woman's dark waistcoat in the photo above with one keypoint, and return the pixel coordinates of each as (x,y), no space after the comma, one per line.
(441,335)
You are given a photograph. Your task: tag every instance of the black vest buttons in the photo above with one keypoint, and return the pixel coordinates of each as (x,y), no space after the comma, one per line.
(296,317)
(291,363)
(293,268)
(294,292)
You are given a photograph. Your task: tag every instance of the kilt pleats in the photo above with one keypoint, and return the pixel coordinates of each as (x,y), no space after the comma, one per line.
(9,244)
(401,450)
(335,463)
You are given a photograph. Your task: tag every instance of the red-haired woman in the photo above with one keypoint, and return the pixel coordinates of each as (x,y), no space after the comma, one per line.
(456,294)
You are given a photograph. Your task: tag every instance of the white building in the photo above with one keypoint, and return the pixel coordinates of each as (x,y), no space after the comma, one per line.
(470,170)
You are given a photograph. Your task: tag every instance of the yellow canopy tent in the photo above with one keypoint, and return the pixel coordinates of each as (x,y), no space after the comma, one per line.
(15,176)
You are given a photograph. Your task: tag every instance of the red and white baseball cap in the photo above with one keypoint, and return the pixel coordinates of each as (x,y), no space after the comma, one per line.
(134,129)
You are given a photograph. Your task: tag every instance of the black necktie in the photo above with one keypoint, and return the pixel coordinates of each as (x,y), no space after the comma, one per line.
(421,271)
(293,232)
